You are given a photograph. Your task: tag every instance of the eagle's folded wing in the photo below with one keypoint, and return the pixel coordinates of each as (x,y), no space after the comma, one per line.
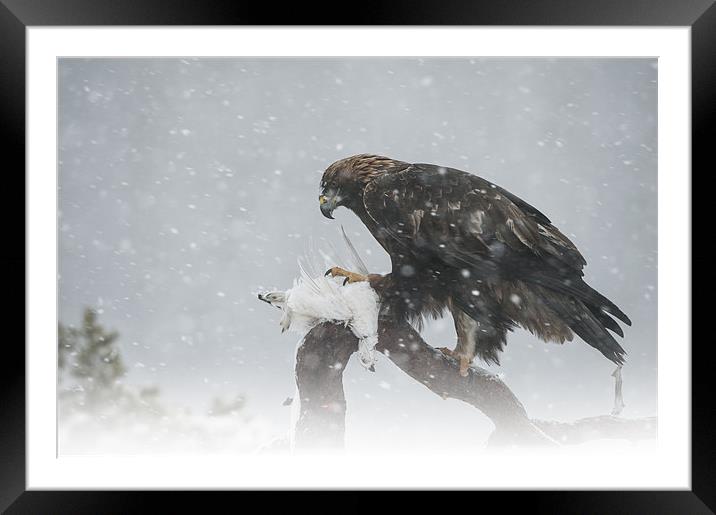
(461,218)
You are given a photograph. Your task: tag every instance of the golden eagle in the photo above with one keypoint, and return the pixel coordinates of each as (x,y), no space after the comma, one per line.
(458,242)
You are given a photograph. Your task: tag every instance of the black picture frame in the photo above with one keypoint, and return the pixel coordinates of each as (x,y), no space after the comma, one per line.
(17,15)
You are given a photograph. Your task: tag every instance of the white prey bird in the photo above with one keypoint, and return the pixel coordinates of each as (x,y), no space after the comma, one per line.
(315,300)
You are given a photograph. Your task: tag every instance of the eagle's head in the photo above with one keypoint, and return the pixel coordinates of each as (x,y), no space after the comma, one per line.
(343,182)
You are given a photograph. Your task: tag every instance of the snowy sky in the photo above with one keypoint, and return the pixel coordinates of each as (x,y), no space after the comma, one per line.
(187,185)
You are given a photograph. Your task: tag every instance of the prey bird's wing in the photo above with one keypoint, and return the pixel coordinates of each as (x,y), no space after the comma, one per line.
(308,275)
(358,263)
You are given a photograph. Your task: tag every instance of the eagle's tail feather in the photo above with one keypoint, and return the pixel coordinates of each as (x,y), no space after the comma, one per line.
(595,299)
(589,326)
(576,287)
(595,335)
(606,320)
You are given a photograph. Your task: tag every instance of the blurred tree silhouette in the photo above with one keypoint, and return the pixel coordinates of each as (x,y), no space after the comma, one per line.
(91,356)
(220,407)
(96,406)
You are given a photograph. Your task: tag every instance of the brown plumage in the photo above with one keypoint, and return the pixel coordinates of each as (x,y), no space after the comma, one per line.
(458,242)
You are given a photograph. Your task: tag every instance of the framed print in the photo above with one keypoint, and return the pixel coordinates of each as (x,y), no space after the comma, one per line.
(420,252)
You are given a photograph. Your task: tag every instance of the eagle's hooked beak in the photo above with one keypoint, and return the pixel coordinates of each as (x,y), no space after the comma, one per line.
(328,202)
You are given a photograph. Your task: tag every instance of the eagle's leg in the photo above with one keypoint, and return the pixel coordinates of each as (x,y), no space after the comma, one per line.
(467,330)
(464,365)
(351,277)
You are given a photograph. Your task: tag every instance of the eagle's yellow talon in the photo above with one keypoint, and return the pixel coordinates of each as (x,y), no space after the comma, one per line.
(350,277)
(464,362)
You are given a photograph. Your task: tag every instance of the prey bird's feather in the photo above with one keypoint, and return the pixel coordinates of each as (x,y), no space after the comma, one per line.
(358,263)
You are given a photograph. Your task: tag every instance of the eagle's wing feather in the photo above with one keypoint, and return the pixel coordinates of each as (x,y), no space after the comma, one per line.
(466,221)
(460,217)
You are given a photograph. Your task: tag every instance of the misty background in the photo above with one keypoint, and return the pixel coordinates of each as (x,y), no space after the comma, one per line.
(186,186)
